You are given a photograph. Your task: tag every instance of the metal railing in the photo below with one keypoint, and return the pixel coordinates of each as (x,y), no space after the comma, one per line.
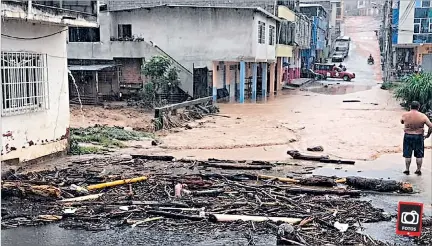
(24,82)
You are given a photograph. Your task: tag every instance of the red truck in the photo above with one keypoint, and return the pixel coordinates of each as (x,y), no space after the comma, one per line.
(332,71)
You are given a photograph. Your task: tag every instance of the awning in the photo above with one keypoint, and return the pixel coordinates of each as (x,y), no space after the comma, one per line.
(89,67)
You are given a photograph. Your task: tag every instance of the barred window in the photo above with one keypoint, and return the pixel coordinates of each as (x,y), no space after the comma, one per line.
(24,83)
(272,33)
(261,32)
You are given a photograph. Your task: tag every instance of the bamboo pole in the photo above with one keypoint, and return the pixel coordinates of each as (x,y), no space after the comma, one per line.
(117,182)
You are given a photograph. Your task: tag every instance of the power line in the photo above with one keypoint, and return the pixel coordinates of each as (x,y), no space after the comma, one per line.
(33,38)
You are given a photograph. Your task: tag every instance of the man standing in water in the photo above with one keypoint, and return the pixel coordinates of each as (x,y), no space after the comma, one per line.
(414,122)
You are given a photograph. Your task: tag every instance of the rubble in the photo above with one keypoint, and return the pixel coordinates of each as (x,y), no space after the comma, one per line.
(244,201)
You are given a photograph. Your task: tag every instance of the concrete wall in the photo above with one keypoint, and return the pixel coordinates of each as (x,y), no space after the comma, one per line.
(406,37)
(53,123)
(268,5)
(198,35)
(262,52)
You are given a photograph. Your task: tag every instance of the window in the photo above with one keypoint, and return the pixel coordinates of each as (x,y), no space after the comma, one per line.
(272,33)
(425,4)
(421,13)
(24,83)
(84,34)
(416,20)
(124,31)
(416,28)
(424,26)
(261,32)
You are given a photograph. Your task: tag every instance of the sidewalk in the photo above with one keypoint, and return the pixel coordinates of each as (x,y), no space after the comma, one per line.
(298,82)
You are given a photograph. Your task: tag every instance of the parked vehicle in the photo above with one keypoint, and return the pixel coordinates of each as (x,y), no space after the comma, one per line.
(338,56)
(343,38)
(332,71)
(342,49)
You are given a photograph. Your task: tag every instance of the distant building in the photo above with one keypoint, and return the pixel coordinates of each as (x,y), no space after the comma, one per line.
(369,8)
(320,22)
(334,9)
(236,44)
(34,76)
(412,34)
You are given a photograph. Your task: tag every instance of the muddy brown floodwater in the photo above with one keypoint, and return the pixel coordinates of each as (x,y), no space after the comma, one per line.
(296,121)
(315,115)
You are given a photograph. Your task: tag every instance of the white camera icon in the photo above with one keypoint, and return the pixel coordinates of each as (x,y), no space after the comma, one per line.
(410,218)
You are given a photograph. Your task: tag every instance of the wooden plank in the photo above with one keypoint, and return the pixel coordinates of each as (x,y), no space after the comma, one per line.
(159,111)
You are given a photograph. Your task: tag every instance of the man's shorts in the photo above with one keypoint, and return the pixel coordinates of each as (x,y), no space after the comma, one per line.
(413,142)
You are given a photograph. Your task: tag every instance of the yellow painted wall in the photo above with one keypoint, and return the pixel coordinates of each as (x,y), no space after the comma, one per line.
(286,13)
(283,50)
(423,49)
(35,151)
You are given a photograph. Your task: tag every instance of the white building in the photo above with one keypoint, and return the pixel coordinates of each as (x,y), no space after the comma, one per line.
(236,43)
(34,78)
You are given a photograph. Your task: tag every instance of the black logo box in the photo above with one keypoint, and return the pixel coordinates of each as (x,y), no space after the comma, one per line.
(407,209)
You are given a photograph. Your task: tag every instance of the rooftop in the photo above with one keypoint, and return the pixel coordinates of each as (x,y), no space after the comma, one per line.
(257,9)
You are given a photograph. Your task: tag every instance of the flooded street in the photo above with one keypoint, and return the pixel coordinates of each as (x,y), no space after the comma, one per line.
(315,115)
(368,131)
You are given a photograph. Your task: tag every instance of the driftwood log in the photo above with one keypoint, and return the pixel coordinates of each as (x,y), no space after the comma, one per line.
(235,217)
(236,166)
(154,157)
(379,184)
(23,189)
(322,158)
(323,191)
(174,215)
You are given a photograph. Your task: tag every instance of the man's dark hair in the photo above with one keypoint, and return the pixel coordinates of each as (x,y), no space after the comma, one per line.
(415,105)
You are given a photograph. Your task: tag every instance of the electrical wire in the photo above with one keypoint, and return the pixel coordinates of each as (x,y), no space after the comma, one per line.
(33,38)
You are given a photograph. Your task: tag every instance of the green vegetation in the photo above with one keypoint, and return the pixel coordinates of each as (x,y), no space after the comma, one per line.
(417,87)
(163,78)
(102,137)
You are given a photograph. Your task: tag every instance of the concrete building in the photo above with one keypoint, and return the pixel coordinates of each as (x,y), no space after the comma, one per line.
(34,77)
(236,44)
(303,37)
(412,34)
(335,16)
(320,22)
(369,8)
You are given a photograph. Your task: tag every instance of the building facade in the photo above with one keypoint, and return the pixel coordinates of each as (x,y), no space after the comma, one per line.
(319,34)
(34,77)
(412,34)
(194,37)
(369,8)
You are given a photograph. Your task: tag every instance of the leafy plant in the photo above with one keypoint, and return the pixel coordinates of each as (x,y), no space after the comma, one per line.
(417,87)
(104,136)
(163,78)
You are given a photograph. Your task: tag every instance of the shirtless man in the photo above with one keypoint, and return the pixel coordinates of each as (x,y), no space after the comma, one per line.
(414,122)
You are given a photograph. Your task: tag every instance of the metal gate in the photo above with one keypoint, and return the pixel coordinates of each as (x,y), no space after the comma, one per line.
(201,86)
(427,63)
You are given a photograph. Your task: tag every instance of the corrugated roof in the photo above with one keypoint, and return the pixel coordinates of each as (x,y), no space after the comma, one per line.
(197,6)
(89,67)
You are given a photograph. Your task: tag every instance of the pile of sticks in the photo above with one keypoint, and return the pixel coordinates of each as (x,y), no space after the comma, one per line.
(142,192)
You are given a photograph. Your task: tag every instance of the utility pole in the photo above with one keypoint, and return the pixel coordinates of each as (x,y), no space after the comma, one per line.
(387,39)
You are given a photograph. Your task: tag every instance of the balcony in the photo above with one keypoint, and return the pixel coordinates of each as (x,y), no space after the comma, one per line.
(38,13)
(283,50)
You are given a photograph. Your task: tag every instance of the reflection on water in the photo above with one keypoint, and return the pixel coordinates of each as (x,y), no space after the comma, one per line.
(337,89)
(52,235)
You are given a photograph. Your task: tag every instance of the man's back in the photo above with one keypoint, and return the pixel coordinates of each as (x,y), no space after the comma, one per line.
(414,122)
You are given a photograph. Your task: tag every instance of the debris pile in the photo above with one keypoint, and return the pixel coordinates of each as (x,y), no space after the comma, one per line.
(188,196)
(100,136)
(169,119)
